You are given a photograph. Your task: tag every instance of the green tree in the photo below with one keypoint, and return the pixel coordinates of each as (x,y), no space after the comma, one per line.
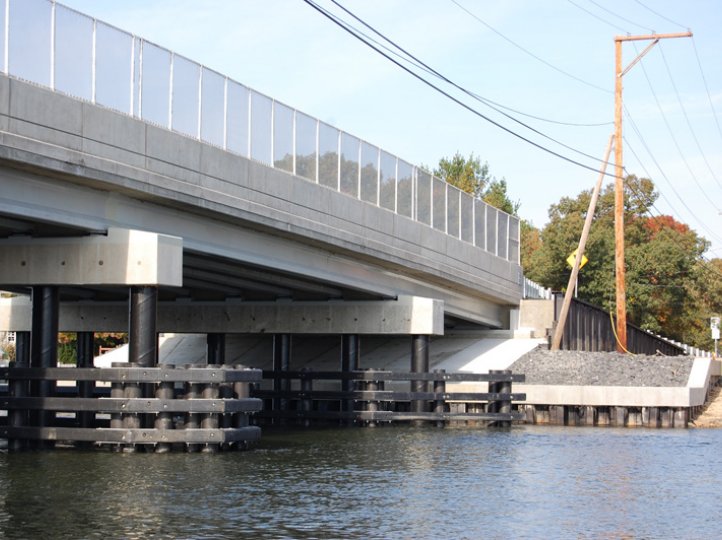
(467,174)
(497,196)
(664,288)
(473,177)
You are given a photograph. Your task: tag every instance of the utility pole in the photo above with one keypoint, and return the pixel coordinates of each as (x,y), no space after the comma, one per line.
(619,180)
(562,320)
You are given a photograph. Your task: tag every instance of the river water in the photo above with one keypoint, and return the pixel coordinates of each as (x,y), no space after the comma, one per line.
(389,482)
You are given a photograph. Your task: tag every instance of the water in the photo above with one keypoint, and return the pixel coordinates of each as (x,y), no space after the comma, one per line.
(530,482)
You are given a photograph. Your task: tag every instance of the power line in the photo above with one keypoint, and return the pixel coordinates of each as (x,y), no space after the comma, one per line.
(674,139)
(585,10)
(659,14)
(686,117)
(419,63)
(523,49)
(661,171)
(706,87)
(619,16)
(352,31)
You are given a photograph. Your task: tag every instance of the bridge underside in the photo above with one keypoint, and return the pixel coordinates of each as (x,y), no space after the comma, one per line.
(249,232)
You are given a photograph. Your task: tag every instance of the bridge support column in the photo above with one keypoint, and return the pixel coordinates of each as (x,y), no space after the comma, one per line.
(350,356)
(143,338)
(419,364)
(216,348)
(19,388)
(44,342)
(85,360)
(281,362)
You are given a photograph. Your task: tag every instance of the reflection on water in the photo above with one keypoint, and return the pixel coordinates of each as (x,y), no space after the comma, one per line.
(397,482)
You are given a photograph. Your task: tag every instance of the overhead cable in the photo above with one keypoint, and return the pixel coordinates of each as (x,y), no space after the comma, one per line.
(527,51)
(674,138)
(419,63)
(585,10)
(617,15)
(348,28)
(686,117)
(659,14)
(706,87)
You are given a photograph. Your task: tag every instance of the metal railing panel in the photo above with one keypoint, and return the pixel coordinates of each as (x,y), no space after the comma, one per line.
(73,53)
(46,43)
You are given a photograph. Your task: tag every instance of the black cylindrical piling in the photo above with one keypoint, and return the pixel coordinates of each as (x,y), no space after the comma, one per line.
(193,391)
(241,390)
(210,420)
(372,404)
(492,405)
(44,344)
(216,355)
(142,336)
(164,420)
(19,388)
(500,405)
(440,402)
(306,401)
(85,388)
(131,390)
(505,403)
(216,348)
(350,357)
(117,391)
(281,363)
(419,364)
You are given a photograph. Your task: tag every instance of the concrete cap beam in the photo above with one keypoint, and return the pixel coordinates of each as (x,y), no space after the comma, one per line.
(122,257)
(406,316)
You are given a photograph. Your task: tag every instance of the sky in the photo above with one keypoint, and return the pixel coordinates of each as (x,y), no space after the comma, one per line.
(549,63)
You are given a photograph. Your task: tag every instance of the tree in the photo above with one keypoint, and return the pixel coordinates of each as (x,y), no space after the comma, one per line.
(473,177)
(469,175)
(496,196)
(665,289)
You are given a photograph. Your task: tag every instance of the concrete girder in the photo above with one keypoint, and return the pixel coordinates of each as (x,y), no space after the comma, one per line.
(122,257)
(200,262)
(407,315)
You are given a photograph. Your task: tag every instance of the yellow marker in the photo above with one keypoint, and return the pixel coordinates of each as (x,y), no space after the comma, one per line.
(573,257)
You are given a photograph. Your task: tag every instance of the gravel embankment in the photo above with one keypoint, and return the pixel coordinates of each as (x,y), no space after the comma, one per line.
(542,366)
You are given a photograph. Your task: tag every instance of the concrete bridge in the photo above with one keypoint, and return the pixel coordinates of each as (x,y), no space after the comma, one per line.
(125,165)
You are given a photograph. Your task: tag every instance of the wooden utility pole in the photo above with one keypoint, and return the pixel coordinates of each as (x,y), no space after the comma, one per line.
(561,321)
(619,179)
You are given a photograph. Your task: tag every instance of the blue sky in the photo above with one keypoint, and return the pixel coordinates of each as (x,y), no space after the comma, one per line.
(290,52)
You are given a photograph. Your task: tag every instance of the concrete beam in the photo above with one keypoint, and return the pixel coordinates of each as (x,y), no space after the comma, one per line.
(407,315)
(122,257)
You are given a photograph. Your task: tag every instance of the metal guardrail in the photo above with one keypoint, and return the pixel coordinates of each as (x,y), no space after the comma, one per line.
(532,290)
(589,328)
(46,43)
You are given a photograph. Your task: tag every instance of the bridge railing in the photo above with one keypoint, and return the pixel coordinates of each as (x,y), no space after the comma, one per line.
(590,328)
(46,43)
